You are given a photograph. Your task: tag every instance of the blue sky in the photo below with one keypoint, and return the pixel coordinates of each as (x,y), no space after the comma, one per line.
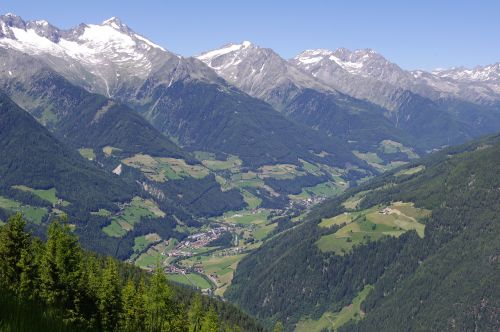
(419,34)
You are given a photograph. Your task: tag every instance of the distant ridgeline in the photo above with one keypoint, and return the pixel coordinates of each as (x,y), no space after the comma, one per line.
(56,286)
(415,249)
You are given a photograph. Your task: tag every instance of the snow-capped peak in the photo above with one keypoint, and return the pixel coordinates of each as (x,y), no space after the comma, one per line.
(109,51)
(114,22)
(206,57)
(41,22)
(363,62)
(477,74)
(246,44)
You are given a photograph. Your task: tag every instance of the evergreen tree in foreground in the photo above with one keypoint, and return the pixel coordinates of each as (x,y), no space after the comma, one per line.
(57,286)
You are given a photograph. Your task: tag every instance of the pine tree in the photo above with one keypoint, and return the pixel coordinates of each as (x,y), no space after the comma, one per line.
(162,313)
(195,315)
(60,267)
(86,302)
(110,296)
(14,244)
(210,321)
(128,313)
(132,315)
(28,282)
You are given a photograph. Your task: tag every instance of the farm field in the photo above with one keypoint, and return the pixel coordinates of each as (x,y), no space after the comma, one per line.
(280,171)
(352,202)
(388,146)
(374,160)
(110,150)
(252,201)
(87,153)
(410,171)
(246,217)
(33,214)
(371,225)
(335,320)
(130,215)
(48,195)
(141,242)
(325,189)
(163,169)
(220,267)
(153,256)
(190,279)
(254,222)
(232,163)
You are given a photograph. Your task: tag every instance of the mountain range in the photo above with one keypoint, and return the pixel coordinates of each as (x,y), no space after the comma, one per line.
(309,191)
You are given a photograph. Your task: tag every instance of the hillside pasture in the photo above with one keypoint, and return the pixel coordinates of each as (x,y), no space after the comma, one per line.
(371,225)
(131,214)
(33,214)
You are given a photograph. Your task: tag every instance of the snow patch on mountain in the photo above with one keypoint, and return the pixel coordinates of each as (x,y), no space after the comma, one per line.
(224,50)
(478,74)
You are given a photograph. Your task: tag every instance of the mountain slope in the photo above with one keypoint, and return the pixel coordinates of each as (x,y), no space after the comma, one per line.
(204,118)
(83,118)
(366,74)
(93,123)
(300,96)
(260,72)
(33,157)
(414,99)
(452,194)
(169,91)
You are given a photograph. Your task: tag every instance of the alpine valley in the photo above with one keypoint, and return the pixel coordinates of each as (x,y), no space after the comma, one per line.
(334,191)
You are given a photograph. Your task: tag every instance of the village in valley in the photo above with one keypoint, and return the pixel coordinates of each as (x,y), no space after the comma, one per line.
(207,258)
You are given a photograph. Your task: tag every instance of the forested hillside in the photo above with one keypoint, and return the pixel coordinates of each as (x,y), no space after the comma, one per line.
(33,157)
(56,286)
(443,233)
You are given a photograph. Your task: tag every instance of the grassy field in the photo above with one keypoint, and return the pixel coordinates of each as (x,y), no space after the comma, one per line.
(388,146)
(334,320)
(410,171)
(311,168)
(352,202)
(369,157)
(371,225)
(141,242)
(163,169)
(221,266)
(252,201)
(87,153)
(263,231)
(110,150)
(49,195)
(246,217)
(149,259)
(232,162)
(102,213)
(130,215)
(337,220)
(280,171)
(325,189)
(153,255)
(374,160)
(33,214)
(190,279)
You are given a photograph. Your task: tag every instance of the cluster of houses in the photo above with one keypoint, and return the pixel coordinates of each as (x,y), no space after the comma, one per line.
(198,240)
